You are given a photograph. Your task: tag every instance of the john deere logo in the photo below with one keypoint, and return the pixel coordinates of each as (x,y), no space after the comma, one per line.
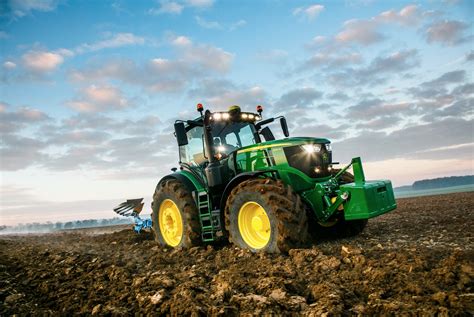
(325,157)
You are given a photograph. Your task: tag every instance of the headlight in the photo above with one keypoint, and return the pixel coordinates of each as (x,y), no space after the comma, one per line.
(217,116)
(312,148)
(328,146)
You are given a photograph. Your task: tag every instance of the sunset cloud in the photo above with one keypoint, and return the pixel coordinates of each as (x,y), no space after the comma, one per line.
(309,12)
(99,98)
(42,61)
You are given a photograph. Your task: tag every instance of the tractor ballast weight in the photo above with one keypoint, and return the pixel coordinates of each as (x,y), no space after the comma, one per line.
(237,182)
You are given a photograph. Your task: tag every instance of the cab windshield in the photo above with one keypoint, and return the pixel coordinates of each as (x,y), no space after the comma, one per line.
(230,136)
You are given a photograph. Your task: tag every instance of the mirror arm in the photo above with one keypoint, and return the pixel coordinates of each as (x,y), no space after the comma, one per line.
(262,123)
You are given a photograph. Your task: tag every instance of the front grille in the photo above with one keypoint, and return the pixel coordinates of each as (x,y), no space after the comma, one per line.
(314,165)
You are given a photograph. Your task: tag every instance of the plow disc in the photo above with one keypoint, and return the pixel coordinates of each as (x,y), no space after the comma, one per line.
(133,208)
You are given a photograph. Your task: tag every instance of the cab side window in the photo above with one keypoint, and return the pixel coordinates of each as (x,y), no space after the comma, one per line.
(192,153)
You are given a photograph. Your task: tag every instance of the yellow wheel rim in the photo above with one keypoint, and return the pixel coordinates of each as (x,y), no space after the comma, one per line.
(254,225)
(171,223)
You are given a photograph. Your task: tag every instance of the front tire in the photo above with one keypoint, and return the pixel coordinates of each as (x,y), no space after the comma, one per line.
(175,216)
(265,215)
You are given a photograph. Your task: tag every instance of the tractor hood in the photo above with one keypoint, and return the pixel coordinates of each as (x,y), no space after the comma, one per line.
(283,143)
(311,157)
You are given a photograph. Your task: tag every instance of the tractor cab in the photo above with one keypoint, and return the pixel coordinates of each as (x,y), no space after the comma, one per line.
(220,134)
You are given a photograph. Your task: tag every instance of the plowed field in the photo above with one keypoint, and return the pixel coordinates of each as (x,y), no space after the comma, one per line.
(417,260)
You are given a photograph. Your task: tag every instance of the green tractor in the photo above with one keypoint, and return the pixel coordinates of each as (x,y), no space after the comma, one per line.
(237,182)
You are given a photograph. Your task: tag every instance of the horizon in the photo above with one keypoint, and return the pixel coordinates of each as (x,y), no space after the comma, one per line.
(89,90)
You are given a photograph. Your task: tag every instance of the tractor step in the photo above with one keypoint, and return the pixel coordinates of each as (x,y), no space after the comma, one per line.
(210,219)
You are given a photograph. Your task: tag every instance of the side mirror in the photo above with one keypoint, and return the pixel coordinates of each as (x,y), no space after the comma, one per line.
(284,127)
(180,133)
(267,134)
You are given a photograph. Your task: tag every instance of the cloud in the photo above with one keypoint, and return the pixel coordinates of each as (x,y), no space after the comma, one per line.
(455,76)
(463,108)
(148,75)
(4,35)
(193,61)
(85,140)
(464,90)
(301,97)
(21,8)
(470,56)
(42,61)
(273,56)
(18,152)
(181,41)
(117,40)
(238,24)
(437,87)
(220,94)
(9,65)
(13,121)
(200,3)
(370,109)
(170,7)
(299,129)
(408,16)
(395,62)
(330,59)
(37,64)
(364,32)
(405,143)
(99,98)
(378,70)
(317,42)
(309,12)
(246,98)
(176,7)
(368,31)
(338,96)
(218,26)
(449,32)
(207,24)
(206,56)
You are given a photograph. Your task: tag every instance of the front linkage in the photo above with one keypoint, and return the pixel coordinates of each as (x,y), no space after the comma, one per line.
(326,189)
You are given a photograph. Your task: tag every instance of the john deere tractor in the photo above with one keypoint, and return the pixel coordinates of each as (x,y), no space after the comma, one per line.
(237,182)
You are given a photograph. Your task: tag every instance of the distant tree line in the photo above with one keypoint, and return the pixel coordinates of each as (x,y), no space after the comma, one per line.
(56,226)
(443,182)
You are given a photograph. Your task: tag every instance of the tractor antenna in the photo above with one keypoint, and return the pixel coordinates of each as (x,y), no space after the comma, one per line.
(260,110)
(200,108)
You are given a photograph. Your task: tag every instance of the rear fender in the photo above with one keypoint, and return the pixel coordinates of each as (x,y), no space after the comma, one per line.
(188,179)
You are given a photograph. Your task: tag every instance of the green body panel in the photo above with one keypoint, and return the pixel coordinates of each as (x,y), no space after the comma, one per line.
(369,199)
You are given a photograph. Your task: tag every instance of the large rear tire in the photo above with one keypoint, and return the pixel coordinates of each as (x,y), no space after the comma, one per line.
(265,215)
(337,226)
(175,216)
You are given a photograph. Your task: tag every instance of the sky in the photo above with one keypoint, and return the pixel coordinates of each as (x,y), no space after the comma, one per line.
(89,90)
